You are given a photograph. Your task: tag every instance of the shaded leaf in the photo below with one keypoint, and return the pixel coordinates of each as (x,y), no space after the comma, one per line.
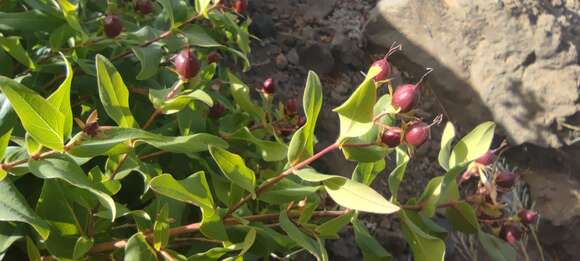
(270,150)
(463,218)
(188,190)
(330,229)
(13,47)
(369,246)
(397,175)
(300,238)
(424,246)
(13,207)
(150,58)
(234,168)
(137,248)
(496,249)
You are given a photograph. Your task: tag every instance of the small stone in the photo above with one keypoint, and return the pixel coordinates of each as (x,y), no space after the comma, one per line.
(293,57)
(281,61)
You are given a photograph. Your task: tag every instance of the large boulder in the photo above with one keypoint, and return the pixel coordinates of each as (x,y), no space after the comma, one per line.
(513,61)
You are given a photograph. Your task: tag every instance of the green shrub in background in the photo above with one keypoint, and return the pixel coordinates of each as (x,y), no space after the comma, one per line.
(126,133)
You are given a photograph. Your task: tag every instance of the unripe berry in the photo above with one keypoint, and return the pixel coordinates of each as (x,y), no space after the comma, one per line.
(113,26)
(486,158)
(506,179)
(385,69)
(528,216)
(510,233)
(405,97)
(217,110)
(240,6)
(213,57)
(144,6)
(269,87)
(392,137)
(186,64)
(417,134)
(291,107)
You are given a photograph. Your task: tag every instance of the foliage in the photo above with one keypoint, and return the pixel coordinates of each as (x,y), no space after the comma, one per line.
(163,164)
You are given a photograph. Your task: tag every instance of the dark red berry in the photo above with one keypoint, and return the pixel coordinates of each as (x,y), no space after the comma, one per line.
(291,107)
(417,134)
(217,110)
(405,97)
(385,71)
(392,137)
(510,233)
(144,6)
(269,87)
(213,57)
(528,216)
(486,158)
(240,6)
(506,179)
(113,26)
(186,64)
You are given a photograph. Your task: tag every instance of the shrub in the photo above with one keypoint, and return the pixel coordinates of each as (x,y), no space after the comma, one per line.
(171,158)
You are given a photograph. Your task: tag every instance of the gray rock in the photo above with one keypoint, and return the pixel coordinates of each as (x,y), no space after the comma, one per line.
(514,63)
(318,9)
(317,57)
(281,61)
(293,56)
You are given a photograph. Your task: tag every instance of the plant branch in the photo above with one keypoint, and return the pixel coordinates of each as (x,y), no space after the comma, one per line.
(269,183)
(193,227)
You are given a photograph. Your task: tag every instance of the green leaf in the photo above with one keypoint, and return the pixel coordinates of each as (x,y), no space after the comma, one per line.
(53,196)
(7,121)
(300,238)
(107,142)
(496,249)
(60,35)
(113,93)
(189,190)
(463,218)
(302,143)
(356,113)
(150,58)
(446,140)
(397,174)
(202,6)
(286,191)
(137,248)
(212,225)
(82,247)
(9,233)
(234,168)
(60,99)
(179,102)
(30,21)
(371,249)
(64,168)
(197,36)
(39,118)
(13,207)
(330,229)
(70,14)
(13,47)
(357,196)
(349,193)
(168,12)
(270,150)
(161,228)
(473,145)
(424,246)
(32,250)
(366,172)
(241,94)
(248,241)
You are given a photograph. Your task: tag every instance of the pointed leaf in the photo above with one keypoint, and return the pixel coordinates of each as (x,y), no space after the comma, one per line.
(300,238)
(13,207)
(82,247)
(270,150)
(13,47)
(330,229)
(113,93)
(302,143)
(424,246)
(354,195)
(234,168)
(356,113)
(42,120)
(473,145)
(188,190)
(64,168)
(496,249)
(463,218)
(446,140)
(70,14)
(137,248)
(60,99)
(371,249)
(241,94)
(397,175)
(150,58)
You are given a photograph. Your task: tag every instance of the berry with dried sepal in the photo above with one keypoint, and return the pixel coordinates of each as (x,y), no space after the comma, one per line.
(527,216)
(144,6)
(384,69)
(392,137)
(113,26)
(240,6)
(486,158)
(186,64)
(213,57)
(510,233)
(506,179)
(291,107)
(269,87)
(217,110)
(417,133)
(405,97)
